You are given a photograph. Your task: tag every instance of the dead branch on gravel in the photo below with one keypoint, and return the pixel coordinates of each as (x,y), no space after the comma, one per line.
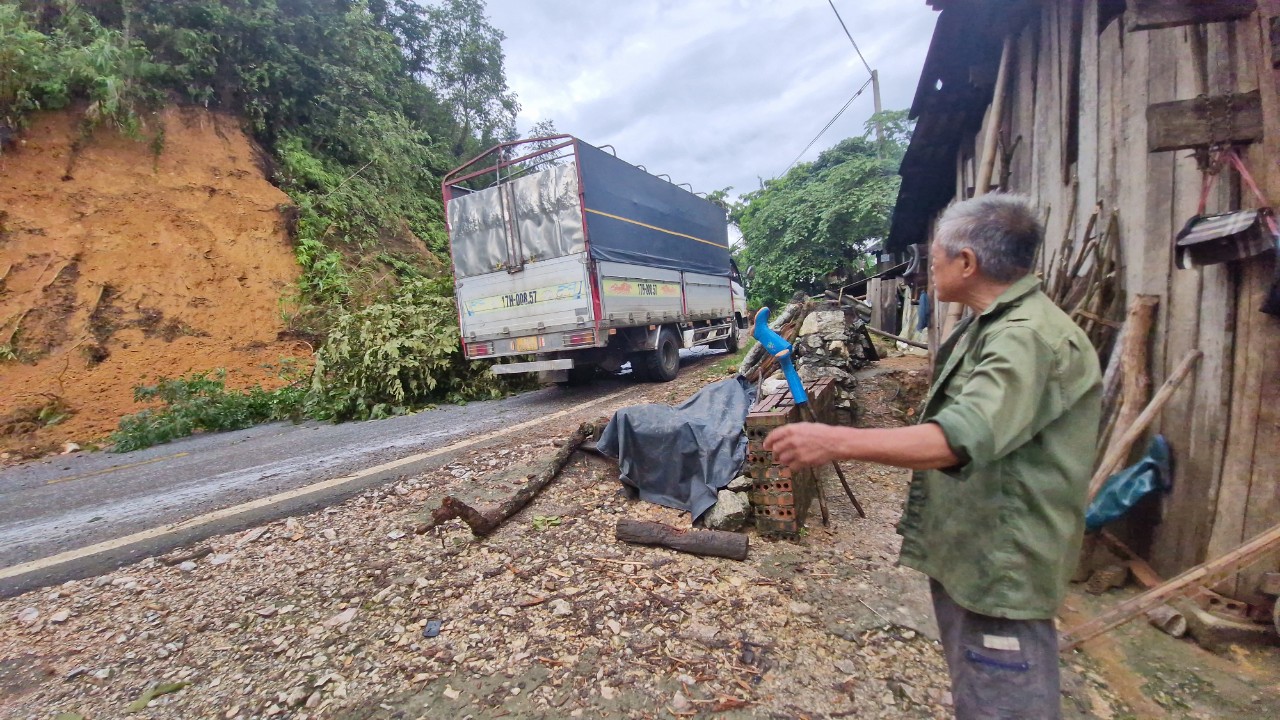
(483,521)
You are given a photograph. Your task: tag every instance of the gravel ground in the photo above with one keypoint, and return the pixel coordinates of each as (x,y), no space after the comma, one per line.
(328,615)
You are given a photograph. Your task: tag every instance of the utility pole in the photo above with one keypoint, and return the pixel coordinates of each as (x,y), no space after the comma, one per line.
(875,94)
(875,81)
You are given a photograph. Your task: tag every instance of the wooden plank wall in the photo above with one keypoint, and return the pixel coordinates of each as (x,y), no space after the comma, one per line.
(1224,423)
(1247,496)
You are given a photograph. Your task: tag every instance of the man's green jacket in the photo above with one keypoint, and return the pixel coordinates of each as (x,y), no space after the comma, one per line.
(1017,392)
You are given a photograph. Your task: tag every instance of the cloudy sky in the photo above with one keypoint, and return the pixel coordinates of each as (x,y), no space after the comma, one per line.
(715,93)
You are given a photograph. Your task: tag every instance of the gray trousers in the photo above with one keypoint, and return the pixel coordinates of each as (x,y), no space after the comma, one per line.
(1000,669)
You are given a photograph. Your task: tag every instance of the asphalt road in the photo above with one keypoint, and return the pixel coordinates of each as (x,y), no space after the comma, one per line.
(51,508)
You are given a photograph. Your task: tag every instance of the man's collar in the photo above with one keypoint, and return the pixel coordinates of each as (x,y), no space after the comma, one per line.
(1021,288)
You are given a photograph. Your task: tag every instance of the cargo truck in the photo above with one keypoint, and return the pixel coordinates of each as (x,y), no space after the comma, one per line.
(567,259)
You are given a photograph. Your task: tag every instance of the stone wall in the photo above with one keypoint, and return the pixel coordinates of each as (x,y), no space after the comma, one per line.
(831,343)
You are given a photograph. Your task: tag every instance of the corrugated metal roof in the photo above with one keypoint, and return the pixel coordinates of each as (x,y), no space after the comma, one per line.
(954,90)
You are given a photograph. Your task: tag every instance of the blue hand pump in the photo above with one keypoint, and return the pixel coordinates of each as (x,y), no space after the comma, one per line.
(779,348)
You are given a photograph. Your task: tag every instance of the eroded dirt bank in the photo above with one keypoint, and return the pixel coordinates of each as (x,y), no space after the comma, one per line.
(119,264)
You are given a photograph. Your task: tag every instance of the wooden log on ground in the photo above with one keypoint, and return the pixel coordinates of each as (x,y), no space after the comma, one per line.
(1119,450)
(716,543)
(485,520)
(1185,584)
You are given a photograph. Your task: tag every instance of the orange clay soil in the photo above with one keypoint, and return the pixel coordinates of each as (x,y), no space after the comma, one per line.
(118,266)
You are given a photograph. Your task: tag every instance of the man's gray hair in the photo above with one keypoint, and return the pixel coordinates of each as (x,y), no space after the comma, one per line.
(1001,229)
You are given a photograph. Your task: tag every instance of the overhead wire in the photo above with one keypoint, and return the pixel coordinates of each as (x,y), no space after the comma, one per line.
(850,36)
(827,127)
(850,101)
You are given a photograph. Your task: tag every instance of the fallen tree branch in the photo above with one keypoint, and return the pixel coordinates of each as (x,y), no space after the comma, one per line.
(717,543)
(485,520)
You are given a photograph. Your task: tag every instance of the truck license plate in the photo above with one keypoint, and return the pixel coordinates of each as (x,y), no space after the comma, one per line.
(527,344)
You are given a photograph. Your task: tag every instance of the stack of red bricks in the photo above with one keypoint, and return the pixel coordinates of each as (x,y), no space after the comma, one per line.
(780,497)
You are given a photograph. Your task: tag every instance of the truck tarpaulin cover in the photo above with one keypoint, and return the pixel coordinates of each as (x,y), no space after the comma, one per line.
(636,218)
(681,456)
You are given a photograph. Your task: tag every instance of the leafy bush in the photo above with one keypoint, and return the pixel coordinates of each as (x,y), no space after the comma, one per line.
(393,355)
(29,74)
(78,58)
(200,402)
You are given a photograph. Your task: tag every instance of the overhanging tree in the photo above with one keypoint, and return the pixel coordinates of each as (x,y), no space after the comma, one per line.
(821,217)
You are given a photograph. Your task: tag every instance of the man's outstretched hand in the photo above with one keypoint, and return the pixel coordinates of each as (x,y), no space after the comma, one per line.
(804,445)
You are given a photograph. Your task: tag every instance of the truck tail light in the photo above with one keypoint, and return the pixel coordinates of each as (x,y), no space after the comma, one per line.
(479,349)
(580,337)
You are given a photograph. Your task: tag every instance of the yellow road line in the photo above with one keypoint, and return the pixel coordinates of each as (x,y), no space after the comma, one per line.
(234,510)
(107,471)
(655,227)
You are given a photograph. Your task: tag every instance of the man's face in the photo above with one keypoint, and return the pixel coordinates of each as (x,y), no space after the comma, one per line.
(947,272)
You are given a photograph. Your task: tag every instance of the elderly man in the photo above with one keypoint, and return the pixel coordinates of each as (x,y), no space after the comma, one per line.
(1002,454)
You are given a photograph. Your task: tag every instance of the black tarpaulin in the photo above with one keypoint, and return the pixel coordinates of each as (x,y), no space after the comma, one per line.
(635,218)
(681,456)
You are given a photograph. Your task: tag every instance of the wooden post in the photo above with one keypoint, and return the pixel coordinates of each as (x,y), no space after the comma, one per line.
(1135,374)
(877,308)
(1119,450)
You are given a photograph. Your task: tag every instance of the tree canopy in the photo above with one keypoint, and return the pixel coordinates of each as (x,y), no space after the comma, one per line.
(820,217)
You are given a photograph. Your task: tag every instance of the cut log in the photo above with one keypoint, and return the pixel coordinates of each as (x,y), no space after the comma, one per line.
(1119,450)
(716,543)
(1185,584)
(1135,373)
(485,520)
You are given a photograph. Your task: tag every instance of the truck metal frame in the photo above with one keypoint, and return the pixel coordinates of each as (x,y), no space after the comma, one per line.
(562,251)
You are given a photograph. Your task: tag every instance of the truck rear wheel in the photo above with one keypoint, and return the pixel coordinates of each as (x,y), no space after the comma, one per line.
(662,364)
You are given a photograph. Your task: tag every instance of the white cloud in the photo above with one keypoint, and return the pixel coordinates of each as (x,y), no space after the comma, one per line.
(712,92)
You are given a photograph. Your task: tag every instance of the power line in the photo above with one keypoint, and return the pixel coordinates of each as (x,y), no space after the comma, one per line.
(827,127)
(848,35)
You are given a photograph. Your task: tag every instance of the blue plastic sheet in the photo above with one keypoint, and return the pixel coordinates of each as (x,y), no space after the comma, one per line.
(1124,489)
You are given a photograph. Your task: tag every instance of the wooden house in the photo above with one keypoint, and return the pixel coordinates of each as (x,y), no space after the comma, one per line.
(1102,112)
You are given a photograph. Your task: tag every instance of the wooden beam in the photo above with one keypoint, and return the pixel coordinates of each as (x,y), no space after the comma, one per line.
(1202,122)
(1119,449)
(1155,14)
(1181,586)
(1269,584)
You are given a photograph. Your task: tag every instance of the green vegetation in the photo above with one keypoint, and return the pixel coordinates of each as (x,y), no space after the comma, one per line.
(821,217)
(200,402)
(362,106)
(545,522)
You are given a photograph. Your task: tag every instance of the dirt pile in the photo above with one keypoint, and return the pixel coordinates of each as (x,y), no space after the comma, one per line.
(119,264)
